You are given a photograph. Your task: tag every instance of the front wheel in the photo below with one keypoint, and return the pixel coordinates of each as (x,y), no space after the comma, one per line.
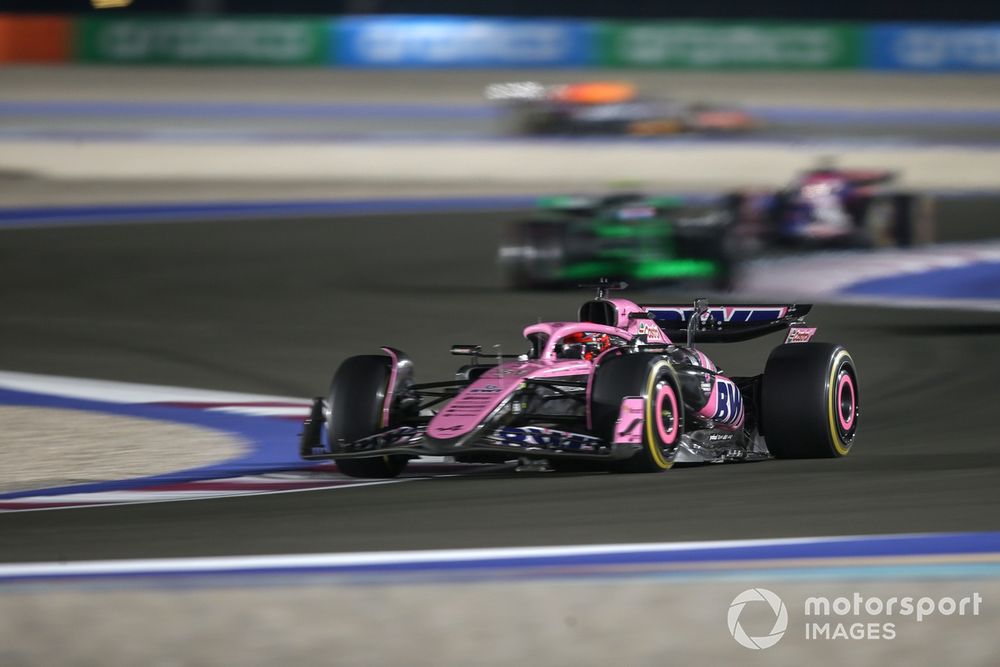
(654,419)
(357,403)
(810,401)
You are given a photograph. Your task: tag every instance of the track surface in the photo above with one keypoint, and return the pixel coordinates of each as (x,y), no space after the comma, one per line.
(273,306)
(165,123)
(324,85)
(100,102)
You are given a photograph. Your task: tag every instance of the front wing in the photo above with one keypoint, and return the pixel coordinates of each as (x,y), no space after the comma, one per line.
(516,441)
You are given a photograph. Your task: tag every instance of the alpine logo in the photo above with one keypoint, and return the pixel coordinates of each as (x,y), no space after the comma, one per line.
(397,437)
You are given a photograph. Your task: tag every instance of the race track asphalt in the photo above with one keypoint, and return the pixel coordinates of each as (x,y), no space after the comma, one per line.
(273,305)
(315,105)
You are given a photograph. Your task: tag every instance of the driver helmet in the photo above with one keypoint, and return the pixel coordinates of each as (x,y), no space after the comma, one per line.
(592,343)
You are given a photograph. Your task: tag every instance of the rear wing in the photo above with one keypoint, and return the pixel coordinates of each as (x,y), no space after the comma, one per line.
(727,324)
(622,200)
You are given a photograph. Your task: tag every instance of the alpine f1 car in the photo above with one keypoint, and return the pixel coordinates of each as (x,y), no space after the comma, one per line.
(625,236)
(625,388)
(608,107)
(827,206)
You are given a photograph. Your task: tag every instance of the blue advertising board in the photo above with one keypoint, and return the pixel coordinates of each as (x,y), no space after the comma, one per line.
(454,41)
(934,47)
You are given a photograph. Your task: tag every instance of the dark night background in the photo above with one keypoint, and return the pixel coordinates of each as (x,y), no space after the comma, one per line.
(957,10)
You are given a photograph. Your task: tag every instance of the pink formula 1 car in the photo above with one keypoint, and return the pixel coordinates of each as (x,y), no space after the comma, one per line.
(624,389)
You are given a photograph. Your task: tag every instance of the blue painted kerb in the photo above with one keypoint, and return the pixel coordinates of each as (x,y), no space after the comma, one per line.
(272,443)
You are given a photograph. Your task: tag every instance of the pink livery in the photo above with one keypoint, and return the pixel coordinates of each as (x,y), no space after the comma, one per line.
(624,386)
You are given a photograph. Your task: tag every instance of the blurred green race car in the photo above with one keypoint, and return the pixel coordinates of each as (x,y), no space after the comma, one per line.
(625,236)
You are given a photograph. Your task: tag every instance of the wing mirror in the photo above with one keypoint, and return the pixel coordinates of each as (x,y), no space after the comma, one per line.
(468,351)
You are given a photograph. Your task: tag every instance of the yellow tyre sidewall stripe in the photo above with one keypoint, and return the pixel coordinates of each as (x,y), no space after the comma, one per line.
(651,440)
(833,402)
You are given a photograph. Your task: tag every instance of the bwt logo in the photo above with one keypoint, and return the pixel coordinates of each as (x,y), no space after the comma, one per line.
(752,595)
(730,403)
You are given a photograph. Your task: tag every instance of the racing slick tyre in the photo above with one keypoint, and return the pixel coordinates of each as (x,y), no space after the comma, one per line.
(901,220)
(903,213)
(810,401)
(528,120)
(651,379)
(880,220)
(727,260)
(716,243)
(912,220)
(357,397)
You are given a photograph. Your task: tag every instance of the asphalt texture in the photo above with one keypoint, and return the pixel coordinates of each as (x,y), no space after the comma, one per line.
(485,124)
(274,305)
(831,90)
(421,93)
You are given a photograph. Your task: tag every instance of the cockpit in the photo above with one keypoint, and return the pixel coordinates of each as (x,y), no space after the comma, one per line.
(571,341)
(582,345)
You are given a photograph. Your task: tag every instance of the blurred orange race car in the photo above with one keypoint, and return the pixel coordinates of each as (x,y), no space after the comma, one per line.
(608,107)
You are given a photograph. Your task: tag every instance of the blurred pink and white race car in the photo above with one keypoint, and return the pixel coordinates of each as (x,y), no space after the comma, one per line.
(623,388)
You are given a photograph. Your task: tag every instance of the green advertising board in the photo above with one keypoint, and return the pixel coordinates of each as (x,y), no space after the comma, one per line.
(725,45)
(260,41)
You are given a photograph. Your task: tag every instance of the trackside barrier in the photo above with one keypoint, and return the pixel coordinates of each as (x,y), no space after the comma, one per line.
(933,47)
(454,41)
(35,38)
(723,45)
(421,42)
(237,41)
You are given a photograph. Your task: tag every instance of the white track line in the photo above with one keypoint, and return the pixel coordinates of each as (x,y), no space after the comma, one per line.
(127,392)
(109,499)
(220,564)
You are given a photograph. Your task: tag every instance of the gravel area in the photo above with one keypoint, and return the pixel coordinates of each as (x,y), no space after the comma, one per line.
(640,622)
(46,447)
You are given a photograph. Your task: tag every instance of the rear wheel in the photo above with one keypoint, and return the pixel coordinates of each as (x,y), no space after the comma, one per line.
(810,401)
(532,253)
(357,410)
(651,383)
(903,213)
(912,219)
(530,120)
(726,254)
(892,220)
